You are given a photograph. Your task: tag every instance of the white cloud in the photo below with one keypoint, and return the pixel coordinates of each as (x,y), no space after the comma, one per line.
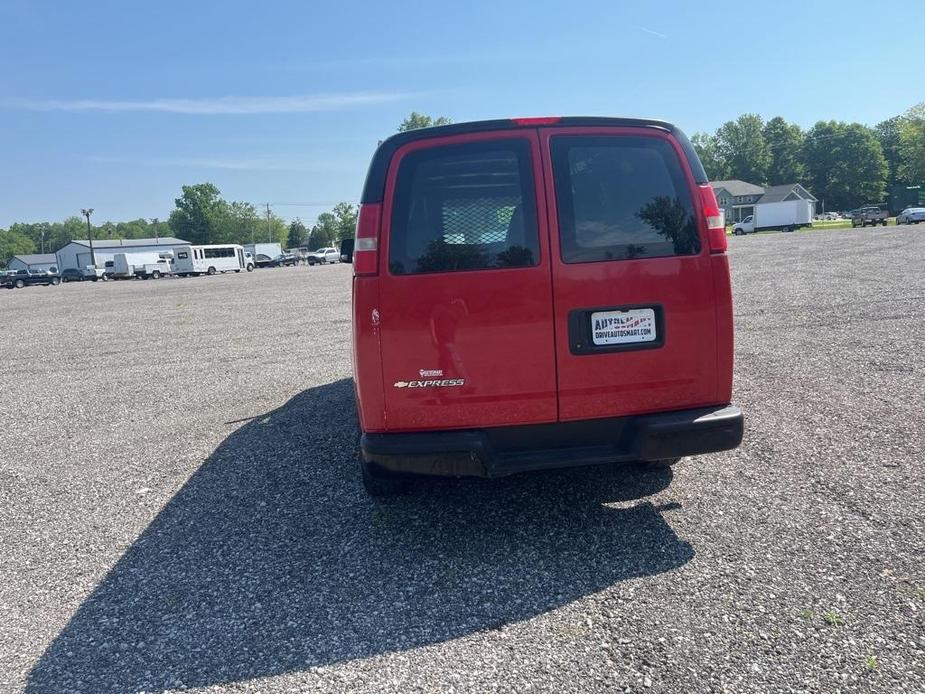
(657,34)
(225,105)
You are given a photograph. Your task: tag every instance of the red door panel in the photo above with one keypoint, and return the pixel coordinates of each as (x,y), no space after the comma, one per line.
(626,260)
(466,322)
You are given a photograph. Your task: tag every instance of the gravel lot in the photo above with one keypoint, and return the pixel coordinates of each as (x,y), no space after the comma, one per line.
(180,509)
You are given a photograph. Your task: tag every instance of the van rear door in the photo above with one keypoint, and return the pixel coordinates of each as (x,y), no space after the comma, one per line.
(632,277)
(465,307)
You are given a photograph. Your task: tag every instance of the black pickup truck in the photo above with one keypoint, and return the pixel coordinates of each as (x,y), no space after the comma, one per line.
(22,278)
(870,215)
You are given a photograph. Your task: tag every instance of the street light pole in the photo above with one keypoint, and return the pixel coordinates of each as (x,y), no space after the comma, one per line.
(157,236)
(269,235)
(86,213)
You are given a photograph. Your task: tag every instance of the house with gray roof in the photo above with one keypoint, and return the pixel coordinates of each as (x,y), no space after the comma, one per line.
(788,191)
(737,198)
(37,262)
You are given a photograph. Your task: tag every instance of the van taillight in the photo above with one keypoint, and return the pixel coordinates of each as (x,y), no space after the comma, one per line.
(716,226)
(366,246)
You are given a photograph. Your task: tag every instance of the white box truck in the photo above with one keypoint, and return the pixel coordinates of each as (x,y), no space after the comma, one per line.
(786,215)
(263,253)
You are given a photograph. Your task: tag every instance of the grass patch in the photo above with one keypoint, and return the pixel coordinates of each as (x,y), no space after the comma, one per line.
(871,663)
(833,619)
(834,224)
(821,226)
(807,614)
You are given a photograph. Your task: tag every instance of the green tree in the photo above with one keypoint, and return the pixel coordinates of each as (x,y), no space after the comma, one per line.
(345,216)
(37,233)
(742,146)
(73,227)
(198,214)
(139,229)
(278,231)
(911,145)
(714,164)
(417,120)
(238,222)
(14,243)
(845,165)
(324,232)
(298,234)
(785,143)
(887,133)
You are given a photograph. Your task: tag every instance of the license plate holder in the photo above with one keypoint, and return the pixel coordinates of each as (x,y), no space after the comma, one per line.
(616,328)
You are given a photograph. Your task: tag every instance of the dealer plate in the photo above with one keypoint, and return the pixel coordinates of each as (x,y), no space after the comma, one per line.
(623,327)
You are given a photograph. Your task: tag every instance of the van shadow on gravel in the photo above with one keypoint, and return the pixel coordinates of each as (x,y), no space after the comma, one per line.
(271,560)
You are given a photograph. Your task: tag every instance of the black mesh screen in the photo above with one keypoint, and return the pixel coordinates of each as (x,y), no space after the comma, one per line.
(464,207)
(478,220)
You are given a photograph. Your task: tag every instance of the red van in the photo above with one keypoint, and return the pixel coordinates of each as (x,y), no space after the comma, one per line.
(538,293)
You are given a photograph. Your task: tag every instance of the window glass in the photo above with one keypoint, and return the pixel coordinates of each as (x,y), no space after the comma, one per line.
(464,207)
(621,198)
(219,253)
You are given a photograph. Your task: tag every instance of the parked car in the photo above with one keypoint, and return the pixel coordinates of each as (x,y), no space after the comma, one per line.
(911,215)
(263,260)
(23,278)
(871,215)
(323,255)
(544,293)
(285,259)
(72,274)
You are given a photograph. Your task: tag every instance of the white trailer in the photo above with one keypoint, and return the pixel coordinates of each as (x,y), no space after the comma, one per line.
(786,215)
(143,264)
(211,259)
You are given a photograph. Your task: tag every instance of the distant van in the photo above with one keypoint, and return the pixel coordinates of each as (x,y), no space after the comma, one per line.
(539,293)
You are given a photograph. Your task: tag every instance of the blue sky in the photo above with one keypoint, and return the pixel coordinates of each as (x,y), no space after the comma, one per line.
(115,105)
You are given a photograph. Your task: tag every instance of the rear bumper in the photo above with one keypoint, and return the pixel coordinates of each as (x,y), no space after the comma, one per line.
(496,452)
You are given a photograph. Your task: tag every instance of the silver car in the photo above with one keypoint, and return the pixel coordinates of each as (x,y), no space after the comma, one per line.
(911,215)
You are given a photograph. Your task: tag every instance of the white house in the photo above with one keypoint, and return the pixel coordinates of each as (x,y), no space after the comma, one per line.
(40,262)
(76,254)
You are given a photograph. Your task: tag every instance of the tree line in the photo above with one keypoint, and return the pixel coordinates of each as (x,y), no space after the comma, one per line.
(201,216)
(843,164)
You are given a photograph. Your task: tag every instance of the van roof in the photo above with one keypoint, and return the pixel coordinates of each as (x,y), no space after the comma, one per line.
(374,188)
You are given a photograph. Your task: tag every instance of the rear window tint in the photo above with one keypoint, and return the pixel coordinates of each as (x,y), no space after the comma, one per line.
(621,198)
(464,207)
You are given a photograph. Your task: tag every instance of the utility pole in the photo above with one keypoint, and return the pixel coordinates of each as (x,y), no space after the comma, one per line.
(269,236)
(157,236)
(43,240)
(86,213)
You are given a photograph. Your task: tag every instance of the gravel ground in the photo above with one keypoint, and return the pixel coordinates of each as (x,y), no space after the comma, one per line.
(180,509)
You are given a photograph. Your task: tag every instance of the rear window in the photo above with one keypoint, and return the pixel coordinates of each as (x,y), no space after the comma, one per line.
(464,207)
(621,198)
